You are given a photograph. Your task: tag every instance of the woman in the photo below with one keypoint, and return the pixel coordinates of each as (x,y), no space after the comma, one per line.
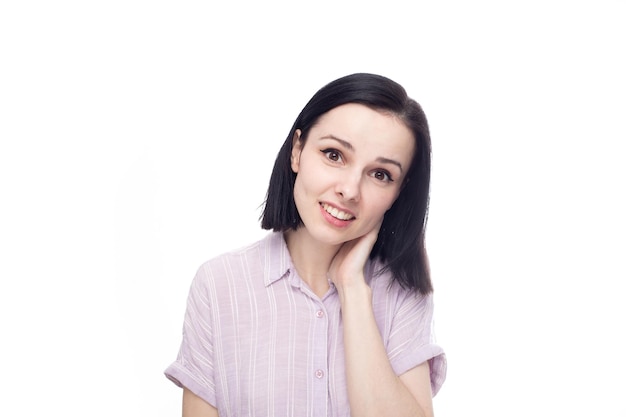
(330,314)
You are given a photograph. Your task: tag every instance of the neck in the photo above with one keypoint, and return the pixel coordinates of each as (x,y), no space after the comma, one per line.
(311,259)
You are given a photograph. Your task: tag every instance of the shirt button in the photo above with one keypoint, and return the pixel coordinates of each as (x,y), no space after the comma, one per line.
(319,314)
(319,374)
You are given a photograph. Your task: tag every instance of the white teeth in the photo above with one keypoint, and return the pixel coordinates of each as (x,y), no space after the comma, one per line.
(341,215)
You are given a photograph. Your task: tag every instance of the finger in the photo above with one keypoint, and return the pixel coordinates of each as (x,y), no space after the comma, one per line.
(372,235)
(365,244)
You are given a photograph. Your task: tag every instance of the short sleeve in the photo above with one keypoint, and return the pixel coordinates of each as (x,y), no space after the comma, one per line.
(412,339)
(193,368)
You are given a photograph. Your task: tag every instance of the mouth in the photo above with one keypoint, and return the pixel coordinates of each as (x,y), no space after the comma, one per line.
(336,213)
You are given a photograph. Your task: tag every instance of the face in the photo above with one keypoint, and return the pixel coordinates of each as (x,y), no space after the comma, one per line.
(349,171)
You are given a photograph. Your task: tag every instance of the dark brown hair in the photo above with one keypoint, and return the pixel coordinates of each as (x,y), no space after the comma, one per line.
(401,240)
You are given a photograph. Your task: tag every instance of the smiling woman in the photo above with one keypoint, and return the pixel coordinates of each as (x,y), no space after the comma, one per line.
(331,313)
(358,176)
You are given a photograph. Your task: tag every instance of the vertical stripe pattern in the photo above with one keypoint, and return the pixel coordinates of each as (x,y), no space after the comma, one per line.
(258,342)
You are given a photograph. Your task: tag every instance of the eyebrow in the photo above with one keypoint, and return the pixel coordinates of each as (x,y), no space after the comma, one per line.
(349,146)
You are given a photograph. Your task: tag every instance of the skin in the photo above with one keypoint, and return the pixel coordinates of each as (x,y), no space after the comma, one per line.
(353,160)
(194,406)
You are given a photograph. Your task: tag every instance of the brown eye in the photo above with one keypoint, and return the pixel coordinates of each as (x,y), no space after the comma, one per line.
(332,154)
(382,176)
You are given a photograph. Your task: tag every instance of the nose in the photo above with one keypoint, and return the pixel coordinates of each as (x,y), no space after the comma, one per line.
(348,186)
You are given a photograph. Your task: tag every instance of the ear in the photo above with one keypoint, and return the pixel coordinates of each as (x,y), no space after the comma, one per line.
(296,150)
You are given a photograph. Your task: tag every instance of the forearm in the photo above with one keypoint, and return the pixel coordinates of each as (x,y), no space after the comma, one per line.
(194,406)
(373,387)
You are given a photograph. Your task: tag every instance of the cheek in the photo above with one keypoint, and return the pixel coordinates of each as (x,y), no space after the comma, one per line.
(391,201)
(388,205)
(385,200)
(300,191)
(310,182)
(379,207)
(296,189)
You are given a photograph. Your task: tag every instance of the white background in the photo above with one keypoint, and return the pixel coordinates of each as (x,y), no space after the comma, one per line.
(137,139)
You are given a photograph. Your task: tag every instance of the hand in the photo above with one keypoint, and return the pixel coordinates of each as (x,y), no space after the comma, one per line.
(347,266)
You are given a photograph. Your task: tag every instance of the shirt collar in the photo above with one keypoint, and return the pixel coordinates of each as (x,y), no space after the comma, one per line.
(276,259)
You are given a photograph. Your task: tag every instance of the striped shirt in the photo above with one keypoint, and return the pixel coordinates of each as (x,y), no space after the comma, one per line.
(258,342)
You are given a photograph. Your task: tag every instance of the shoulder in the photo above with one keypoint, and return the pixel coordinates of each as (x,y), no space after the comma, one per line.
(243,252)
(386,291)
(249,261)
(271,244)
(229,262)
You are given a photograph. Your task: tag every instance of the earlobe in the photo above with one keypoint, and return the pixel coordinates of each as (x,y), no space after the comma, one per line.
(296,150)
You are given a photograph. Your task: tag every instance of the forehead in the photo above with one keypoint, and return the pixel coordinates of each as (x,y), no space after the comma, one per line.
(364,127)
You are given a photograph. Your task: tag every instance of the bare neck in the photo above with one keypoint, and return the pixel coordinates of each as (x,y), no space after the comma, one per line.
(311,259)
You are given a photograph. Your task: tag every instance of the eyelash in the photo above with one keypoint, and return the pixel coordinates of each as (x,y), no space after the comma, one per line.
(386,173)
(329,151)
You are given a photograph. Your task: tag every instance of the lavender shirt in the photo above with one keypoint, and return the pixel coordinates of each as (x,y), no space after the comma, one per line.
(258,342)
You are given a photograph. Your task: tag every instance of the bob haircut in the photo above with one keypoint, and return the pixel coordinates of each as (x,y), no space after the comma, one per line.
(401,241)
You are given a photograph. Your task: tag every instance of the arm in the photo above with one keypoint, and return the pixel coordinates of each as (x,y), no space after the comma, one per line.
(194,406)
(373,387)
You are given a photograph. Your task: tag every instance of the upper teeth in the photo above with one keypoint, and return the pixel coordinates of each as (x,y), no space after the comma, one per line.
(342,215)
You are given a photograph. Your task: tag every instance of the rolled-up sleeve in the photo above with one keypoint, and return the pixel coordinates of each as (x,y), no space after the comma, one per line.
(411,339)
(194,367)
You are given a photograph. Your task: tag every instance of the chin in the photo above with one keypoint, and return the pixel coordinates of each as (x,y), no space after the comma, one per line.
(332,237)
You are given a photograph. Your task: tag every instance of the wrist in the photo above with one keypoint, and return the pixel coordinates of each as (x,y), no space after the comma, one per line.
(353,290)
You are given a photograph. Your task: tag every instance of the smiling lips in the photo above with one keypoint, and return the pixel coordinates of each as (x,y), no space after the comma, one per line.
(336,213)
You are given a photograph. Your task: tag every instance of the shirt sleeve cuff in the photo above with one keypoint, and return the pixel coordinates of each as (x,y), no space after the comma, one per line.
(436,358)
(183,377)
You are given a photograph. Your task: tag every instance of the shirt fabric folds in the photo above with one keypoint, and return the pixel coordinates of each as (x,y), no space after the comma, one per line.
(258,342)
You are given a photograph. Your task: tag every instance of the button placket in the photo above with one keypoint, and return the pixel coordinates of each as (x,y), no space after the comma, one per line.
(321,358)
(319,365)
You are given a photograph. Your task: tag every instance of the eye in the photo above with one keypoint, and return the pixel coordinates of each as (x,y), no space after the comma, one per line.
(332,154)
(382,175)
